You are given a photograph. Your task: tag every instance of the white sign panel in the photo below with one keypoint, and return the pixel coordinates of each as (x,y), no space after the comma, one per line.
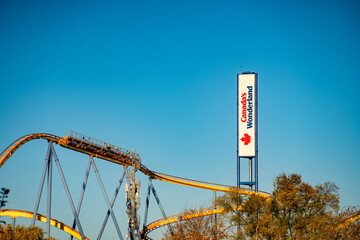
(247,119)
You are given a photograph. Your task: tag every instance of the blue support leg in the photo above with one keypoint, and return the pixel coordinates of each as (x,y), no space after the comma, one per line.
(112,204)
(158,202)
(82,194)
(160,206)
(68,193)
(49,185)
(41,185)
(147,203)
(106,199)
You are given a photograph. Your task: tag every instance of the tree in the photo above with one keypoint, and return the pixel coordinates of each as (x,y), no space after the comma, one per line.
(296,211)
(21,233)
(4,194)
(199,228)
(9,232)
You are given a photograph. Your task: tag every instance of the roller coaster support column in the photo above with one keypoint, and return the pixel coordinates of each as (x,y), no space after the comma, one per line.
(48,208)
(112,204)
(67,192)
(147,203)
(82,194)
(159,203)
(132,203)
(106,199)
(151,188)
(41,186)
(47,169)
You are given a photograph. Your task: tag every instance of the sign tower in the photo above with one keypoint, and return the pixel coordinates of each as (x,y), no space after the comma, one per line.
(247,126)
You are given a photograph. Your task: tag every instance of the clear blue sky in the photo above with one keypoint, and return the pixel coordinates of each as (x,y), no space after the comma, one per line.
(160,76)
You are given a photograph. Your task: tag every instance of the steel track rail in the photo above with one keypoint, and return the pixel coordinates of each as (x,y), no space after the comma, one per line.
(207,185)
(13,213)
(349,219)
(8,152)
(105,151)
(180,217)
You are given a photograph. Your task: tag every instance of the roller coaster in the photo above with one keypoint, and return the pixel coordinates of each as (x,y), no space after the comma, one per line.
(102,150)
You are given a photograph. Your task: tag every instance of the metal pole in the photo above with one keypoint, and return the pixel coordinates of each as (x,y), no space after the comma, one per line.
(68,193)
(82,194)
(158,201)
(49,183)
(112,204)
(106,198)
(256,134)
(238,183)
(250,173)
(41,185)
(237,140)
(147,203)
(256,174)
(215,217)
(160,206)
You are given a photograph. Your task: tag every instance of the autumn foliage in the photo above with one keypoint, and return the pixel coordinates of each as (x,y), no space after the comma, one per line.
(200,228)
(296,210)
(9,232)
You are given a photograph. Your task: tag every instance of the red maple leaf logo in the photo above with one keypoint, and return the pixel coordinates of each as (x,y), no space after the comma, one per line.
(246,139)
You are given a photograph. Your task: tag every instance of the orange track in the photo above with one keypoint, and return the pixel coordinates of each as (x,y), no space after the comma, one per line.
(99,149)
(351,218)
(179,217)
(20,213)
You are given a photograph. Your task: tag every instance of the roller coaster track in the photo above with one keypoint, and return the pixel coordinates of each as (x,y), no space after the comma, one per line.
(118,155)
(349,219)
(20,213)
(180,217)
(215,210)
(109,152)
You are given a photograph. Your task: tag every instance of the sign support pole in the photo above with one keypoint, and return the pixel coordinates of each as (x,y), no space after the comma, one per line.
(238,183)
